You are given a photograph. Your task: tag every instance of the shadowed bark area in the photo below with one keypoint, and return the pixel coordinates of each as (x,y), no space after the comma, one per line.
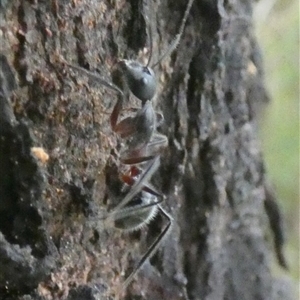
(56,146)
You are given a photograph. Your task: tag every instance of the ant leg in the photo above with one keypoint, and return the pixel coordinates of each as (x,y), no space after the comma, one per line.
(115,114)
(128,126)
(152,249)
(134,210)
(137,159)
(138,156)
(130,180)
(138,185)
(159,116)
(158,141)
(125,128)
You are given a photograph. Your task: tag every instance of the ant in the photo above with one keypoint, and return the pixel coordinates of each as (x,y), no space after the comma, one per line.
(140,201)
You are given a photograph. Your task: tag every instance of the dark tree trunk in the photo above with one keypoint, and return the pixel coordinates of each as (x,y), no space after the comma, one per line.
(212,172)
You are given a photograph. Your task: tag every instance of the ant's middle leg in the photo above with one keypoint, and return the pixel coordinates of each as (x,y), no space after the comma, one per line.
(138,185)
(147,152)
(159,116)
(131,177)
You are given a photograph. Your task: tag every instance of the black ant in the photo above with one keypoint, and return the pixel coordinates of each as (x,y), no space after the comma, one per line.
(141,201)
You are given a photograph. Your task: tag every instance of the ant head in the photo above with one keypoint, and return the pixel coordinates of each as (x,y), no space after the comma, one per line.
(140,79)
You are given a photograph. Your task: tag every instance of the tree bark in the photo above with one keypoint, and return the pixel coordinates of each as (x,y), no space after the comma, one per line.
(56,142)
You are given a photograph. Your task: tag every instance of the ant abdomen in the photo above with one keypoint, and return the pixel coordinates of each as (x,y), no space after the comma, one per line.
(141,217)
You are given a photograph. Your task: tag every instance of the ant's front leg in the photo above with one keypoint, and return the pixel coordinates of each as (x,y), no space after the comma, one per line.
(115,114)
(126,127)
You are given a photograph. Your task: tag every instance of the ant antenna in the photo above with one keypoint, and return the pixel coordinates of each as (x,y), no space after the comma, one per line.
(150,17)
(175,42)
(97,77)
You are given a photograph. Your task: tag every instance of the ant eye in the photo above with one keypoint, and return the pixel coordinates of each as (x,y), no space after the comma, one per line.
(144,81)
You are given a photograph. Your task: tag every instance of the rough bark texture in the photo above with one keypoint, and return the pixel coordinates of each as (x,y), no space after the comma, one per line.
(212,171)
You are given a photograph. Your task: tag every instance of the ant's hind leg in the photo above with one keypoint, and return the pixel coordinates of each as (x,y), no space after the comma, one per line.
(152,249)
(140,214)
